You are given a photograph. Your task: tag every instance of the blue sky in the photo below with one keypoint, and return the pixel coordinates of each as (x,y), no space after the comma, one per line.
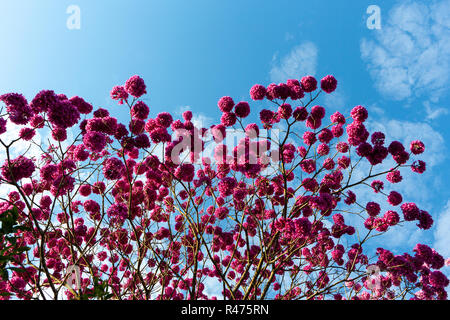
(191,53)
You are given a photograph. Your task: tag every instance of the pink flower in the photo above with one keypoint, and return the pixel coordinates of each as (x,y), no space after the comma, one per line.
(46,202)
(105,125)
(378,138)
(281,91)
(94,141)
(62,184)
(337,117)
(219,132)
(27,134)
(160,135)
(185,172)
(85,190)
(351,198)
(308,165)
(164,119)
(187,115)
(342,147)
(140,110)
(17,107)
(226,104)
(80,153)
(136,126)
(391,218)
(81,105)
(317,112)
(17,169)
(43,101)
(310,184)
(343,162)
(2,125)
(394,176)
(309,138)
(113,168)
(226,186)
(395,148)
(91,206)
(59,134)
(394,198)
(228,119)
(425,220)
(418,166)
(417,147)
(98,187)
(309,83)
(285,111)
(313,123)
(119,93)
(328,84)
(377,185)
(117,212)
(135,86)
(37,122)
(359,113)
(221,213)
(325,135)
(323,149)
(252,130)
(270,94)
(258,92)
(410,211)
(142,141)
(364,149)
(402,157)
(357,133)
(369,223)
(300,114)
(63,114)
(49,172)
(338,219)
(373,209)
(438,279)
(18,283)
(242,109)
(337,130)
(424,252)
(296,89)
(328,164)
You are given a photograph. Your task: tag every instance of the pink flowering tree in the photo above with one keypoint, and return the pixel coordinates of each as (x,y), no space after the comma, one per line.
(161,208)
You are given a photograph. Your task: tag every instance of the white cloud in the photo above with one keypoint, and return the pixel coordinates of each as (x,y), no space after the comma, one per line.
(335,100)
(442,234)
(376,110)
(288,36)
(434,113)
(410,55)
(300,61)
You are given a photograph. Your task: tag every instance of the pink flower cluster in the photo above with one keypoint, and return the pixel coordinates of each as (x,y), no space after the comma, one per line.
(250,216)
